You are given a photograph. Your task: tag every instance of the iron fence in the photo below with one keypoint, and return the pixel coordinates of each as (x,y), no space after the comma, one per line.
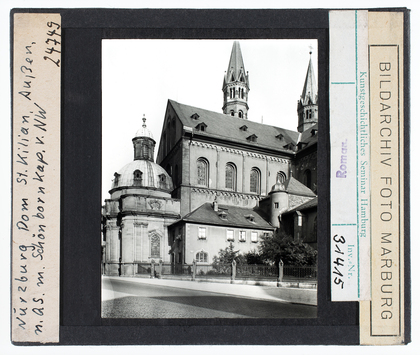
(227,271)
(300,272)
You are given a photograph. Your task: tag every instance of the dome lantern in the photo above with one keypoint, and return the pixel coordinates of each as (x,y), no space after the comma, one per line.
(144,144)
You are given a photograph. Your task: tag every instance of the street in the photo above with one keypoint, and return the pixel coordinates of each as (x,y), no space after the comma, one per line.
(131,298)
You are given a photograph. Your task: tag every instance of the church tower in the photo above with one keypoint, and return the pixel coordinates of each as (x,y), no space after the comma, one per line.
(236,85)
(308,103)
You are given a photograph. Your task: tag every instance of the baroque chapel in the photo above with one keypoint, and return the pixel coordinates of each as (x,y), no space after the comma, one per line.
(219,178)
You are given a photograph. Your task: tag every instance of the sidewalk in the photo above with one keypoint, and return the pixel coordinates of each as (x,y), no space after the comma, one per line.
(269,293)
(271,283)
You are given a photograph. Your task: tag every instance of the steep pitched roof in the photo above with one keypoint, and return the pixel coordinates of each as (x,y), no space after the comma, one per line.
(236,68)
(295,187)
(310,91)
(230,216)
(304,206)
(228,128)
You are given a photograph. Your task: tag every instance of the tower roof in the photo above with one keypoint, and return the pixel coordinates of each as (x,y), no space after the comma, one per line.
(144,131)
(310,90)
(236,68)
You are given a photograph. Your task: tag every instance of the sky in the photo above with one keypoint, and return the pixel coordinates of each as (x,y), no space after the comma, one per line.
(139,76)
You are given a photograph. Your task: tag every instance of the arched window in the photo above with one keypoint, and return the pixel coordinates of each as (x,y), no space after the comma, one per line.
(202,257)
(307,179)
(281,176)
(230,176)
(255,181)
(241,114)
(174,129)
(164,143)
(232,113)
(145,152)
(155,246)
(202,172)
(168,136)
(175,178)
(169,169)
(138,177)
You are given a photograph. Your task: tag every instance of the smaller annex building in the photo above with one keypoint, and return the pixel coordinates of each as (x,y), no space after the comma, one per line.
(202,233)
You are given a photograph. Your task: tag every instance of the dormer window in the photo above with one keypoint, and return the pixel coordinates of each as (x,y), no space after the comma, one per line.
(162,181)
(116,178)
(290,146)
(195,116)
(252,138)
(223,215)
(250,218)
(137,177)
(243,128)
(201,127)
(314,132)
(280,137)
(302,145)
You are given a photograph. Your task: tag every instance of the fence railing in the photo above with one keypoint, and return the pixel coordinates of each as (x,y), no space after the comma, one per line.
(232,271)
(300,272)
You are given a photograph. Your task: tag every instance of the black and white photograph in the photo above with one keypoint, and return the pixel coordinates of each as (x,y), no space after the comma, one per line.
(209,178)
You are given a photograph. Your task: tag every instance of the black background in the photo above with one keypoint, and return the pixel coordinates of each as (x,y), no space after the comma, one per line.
(81,124)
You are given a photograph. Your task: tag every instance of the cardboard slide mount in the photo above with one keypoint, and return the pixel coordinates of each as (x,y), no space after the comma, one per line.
(80,252)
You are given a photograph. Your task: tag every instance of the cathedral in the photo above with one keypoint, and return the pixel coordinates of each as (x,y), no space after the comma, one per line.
(218,178)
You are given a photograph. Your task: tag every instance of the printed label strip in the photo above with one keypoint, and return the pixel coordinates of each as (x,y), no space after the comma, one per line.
(349,133)
(382,318)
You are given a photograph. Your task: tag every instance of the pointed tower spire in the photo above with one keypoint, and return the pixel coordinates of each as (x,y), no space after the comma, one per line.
(308,102)
(236,85)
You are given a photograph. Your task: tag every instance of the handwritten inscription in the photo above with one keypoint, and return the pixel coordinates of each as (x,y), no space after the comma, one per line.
(55,48)
(35,179)
(338,263)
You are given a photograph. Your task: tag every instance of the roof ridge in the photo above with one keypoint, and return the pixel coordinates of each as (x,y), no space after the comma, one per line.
(238,120)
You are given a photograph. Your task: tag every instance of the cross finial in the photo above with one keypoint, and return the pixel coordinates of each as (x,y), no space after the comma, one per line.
(144,121)
(310,49)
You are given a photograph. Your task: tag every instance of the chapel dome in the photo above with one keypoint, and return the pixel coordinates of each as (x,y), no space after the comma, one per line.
(143,173)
